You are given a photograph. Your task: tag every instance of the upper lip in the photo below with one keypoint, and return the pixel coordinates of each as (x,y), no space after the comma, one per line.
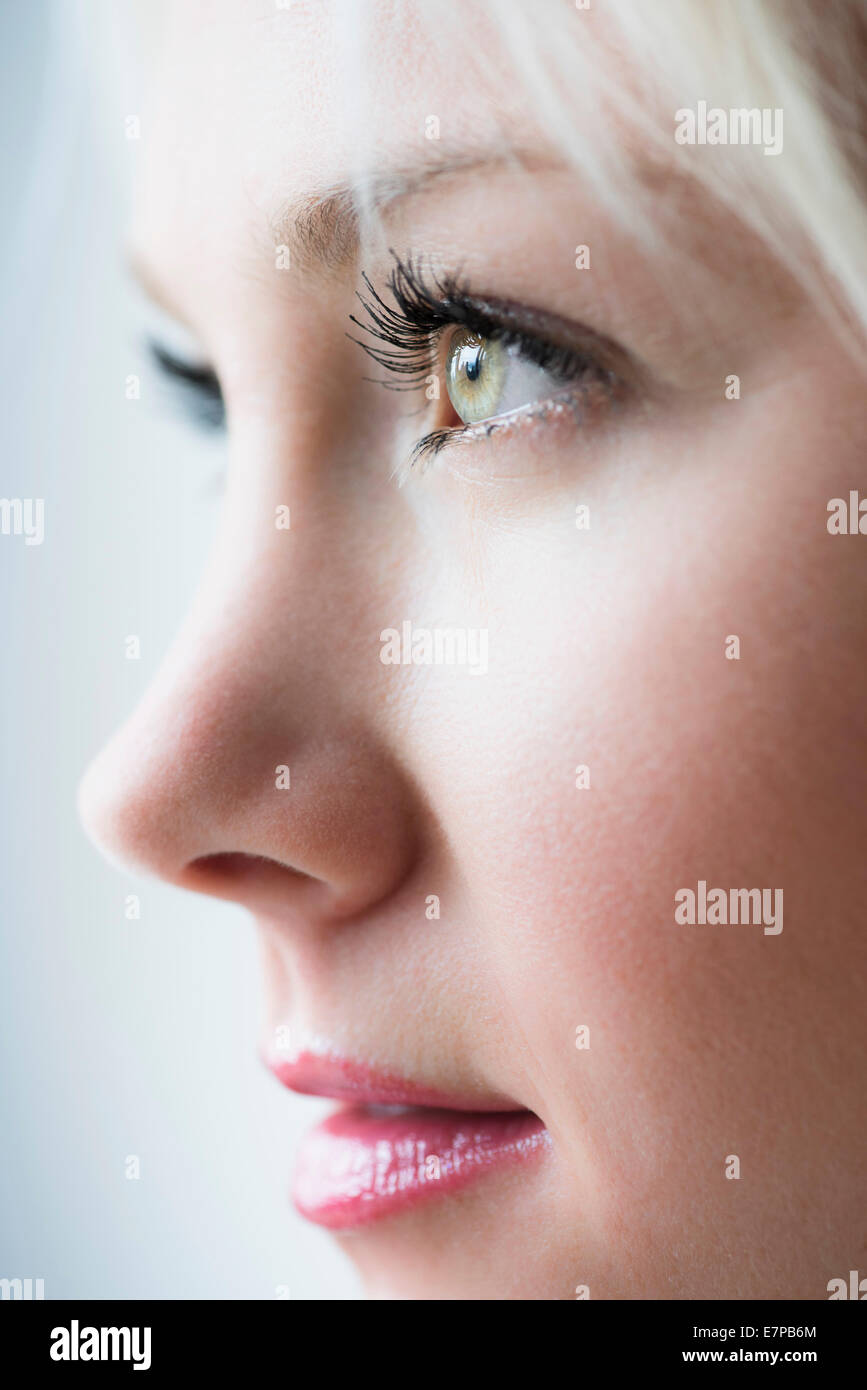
(341,1078)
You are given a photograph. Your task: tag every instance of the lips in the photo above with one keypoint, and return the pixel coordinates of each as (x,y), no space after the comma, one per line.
(397,1145)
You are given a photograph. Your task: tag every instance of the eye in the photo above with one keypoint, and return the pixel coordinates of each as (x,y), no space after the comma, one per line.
(196,382)
(497,357)
(485,377)
(187,378)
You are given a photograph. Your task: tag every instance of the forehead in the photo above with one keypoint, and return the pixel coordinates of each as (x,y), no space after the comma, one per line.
(315,75)
(266,121)
(258,106)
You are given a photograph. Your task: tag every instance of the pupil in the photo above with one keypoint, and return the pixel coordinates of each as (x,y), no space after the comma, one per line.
(474,366)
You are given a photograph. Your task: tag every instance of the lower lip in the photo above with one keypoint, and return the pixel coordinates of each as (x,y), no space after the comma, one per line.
(362,1164)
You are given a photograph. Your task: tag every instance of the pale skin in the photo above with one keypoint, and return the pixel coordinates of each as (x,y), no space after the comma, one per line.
(607,650)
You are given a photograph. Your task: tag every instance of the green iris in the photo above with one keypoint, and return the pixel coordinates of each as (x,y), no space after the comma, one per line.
(475,375)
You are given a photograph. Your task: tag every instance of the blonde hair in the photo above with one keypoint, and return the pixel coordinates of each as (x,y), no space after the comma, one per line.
(804,58)
(800,57)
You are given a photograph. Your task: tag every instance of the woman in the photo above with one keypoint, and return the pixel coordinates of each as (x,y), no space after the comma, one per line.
(522,704)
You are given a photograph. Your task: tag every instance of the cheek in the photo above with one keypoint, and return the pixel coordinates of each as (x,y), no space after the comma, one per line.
(742,772)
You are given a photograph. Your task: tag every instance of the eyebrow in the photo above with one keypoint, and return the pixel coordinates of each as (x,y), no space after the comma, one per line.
(325,229)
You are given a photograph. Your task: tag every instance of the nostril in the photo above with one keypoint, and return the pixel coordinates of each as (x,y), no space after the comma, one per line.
(233,869)
(251,879)
(231,865)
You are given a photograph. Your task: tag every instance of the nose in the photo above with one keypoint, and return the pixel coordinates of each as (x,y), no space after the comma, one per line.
(257,767)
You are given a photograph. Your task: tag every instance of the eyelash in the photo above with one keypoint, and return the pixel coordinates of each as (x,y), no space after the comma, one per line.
(200,386)
(424,306)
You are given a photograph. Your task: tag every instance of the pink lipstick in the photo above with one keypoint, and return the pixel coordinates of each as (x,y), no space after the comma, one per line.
(397,1144)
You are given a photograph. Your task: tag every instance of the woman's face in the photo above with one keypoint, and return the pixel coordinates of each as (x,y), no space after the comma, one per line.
(465,883)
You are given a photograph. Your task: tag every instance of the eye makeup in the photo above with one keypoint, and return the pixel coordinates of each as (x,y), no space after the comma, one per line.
(433,328)
(197,383)
(480,363)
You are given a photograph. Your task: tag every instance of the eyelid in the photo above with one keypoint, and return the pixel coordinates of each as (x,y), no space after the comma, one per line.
(612,374)
(197,379)
(425,303)
(592,397)
(522,323)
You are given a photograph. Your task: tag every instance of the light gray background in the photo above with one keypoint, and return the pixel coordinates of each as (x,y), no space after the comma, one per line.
(116,1037)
